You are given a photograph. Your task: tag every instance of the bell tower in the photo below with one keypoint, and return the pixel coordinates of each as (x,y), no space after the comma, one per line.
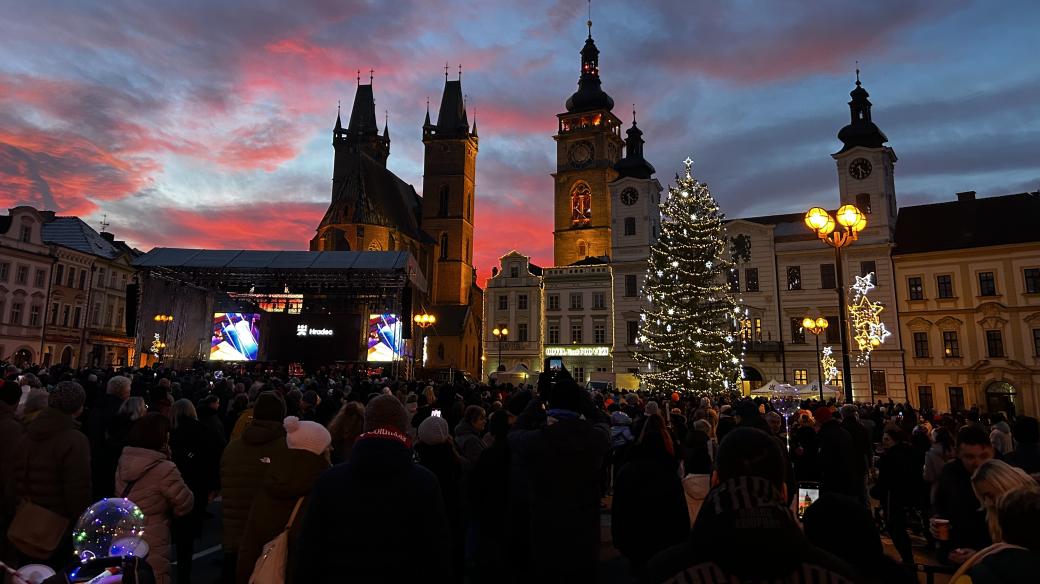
(588,145)
(449,185)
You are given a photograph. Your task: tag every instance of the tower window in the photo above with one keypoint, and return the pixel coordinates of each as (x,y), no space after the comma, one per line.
(444,246)
(583,249)
(442,210)
(630,225)
(581,205)
(863,202)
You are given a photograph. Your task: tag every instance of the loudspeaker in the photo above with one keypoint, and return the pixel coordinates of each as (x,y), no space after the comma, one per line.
(132,292)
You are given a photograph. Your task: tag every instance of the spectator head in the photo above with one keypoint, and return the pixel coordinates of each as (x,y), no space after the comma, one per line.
(349,421)
(35,401)
(655,436)
(651,409)
(498,425)
(849,411)
(31,380)
(309,436)
(1027,430)
(1018,514)
(311,399)
(134,407)
(151,432)
(751,452)
(565,395)
(182,408)
(942,436)
(386,412)
(776,423)
(269,407)
(68,398)
(823,414)
(10,393)
(119,386)
(210,401)
(240,402)
(433,431)
(973,447)
(476,417)
(893,435)
(991,481)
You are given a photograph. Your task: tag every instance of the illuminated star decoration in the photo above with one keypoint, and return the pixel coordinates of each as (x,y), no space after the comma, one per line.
(865,317)
(829,365)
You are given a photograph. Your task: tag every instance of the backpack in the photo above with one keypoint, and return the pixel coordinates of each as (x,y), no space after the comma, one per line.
(271,565)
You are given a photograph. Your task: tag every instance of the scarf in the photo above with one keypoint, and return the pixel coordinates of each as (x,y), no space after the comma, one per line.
(387,434)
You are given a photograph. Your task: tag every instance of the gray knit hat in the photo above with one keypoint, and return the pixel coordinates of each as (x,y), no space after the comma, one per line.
(386,411)
(67,397)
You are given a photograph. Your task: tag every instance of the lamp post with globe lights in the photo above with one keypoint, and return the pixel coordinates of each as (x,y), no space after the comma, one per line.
(500,334)
(817,326)
(160,344)
(422,321)
(852,221)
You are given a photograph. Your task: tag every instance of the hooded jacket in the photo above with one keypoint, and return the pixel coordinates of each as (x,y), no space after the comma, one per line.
(51,465)
(160,492)
(741,514)
(243,466)
(468,443)
(290,478)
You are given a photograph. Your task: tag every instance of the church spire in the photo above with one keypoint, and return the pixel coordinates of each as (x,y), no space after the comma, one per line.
(590,95)
(861,130)
(634,164)
(452,120)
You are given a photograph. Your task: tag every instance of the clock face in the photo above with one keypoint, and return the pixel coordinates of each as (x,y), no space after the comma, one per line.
(629,196)
(580,154)
(859,169)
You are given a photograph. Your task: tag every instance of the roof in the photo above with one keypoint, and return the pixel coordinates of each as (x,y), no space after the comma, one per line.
(590,95)
(451,119)
(535,270)
(238,259)
(5,223)
(590,261)
(363,114)
(373,195)
(73,233)
(968,223)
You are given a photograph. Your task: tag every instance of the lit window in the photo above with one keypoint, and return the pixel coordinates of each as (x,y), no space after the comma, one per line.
(581,205)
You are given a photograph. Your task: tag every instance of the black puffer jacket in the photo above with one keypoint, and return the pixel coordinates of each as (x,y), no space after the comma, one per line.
(243,466)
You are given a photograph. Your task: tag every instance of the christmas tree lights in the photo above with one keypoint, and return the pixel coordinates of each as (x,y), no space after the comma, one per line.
(688,328)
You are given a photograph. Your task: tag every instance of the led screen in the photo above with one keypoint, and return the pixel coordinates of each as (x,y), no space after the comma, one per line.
(384,337)
(236,337)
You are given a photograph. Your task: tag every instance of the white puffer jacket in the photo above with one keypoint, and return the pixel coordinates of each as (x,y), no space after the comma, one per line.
(696,487)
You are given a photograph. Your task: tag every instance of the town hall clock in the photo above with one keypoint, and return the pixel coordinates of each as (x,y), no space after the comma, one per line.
(580,154)
(629,196)
(859,169)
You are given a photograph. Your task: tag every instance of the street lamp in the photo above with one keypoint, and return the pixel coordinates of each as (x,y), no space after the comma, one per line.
(500,334)
(422,321)
(165,319)
(817,327)
(852,221)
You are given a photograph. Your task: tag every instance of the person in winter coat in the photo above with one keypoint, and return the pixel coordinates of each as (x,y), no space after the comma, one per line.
(209,415)
(362,513)
(51,465)
(1000,435)
(468,442)
(10,433)
(103,456)
(345,428)
(287,484)
(1016,559)
(639,531)
(195,449)
(955,499)
(560,451)
(243,466)
(436,451)
(942,451)
(1026,455)
(488,495)
(838,464)
(897,488)
(148,477)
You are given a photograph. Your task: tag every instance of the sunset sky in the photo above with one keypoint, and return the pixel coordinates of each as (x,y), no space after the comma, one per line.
(208,124)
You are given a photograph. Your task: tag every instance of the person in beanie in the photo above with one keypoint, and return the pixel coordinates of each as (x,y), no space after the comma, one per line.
(436,451)
(51,466)
(288,482)
(243,466)
(363,514)
(747,509)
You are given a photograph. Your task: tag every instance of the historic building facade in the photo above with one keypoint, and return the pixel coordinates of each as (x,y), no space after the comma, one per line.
(372,209)
(514,304)
(25,271)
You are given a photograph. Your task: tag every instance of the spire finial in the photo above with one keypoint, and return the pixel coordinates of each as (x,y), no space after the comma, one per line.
(460,71)
(633,114)
(104,223)
(359,77)
(589,22)
(857,73)
(445,71)
(427,104)
(371,74)
(339,105)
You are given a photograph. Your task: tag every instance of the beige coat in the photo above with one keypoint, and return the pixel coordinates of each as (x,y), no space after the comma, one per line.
(161,493)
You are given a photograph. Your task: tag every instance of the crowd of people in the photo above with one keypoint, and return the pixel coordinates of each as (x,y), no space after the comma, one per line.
(384,480)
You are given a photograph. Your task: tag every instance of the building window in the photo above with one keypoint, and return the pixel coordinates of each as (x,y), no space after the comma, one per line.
(839,378)
(797,332)
(916,288)
(59,273)
(521,332)
(54,314)
(579,374)
(868,267)
(863,202)
(734,280)
(801,376)
(794,278)
(994,343)
(83,280)
(1032,279)
(951,346)
(1036,342)
(921,345)
(95,318)
(576,303)
(630,285)
(503,302)
(599,334)
(828,281)
(77,320)
(16,312)
(554,302)
(34,315)
(758,329)
(66,312)
(924,397)
(521,302)
(41,279)
(581,205)
(599,300)
(583,249)
(4,268)
(26,234)
(745,330)
(22,275)
(956,399)
(630,225)
(72,277)
(108,316)
(554,334)
(442,208)
(751,279)
(576,332)
(944,284)
(877,381)
(514,271)
(833,329)
(987,284)
(631,331)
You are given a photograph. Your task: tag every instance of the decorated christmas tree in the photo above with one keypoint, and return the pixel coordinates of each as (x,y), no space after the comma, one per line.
(687,330)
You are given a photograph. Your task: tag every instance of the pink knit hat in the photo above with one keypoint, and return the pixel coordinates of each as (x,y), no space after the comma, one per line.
(303,435)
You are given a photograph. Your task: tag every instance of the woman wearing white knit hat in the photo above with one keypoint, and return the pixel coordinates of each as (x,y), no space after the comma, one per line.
(287,484)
